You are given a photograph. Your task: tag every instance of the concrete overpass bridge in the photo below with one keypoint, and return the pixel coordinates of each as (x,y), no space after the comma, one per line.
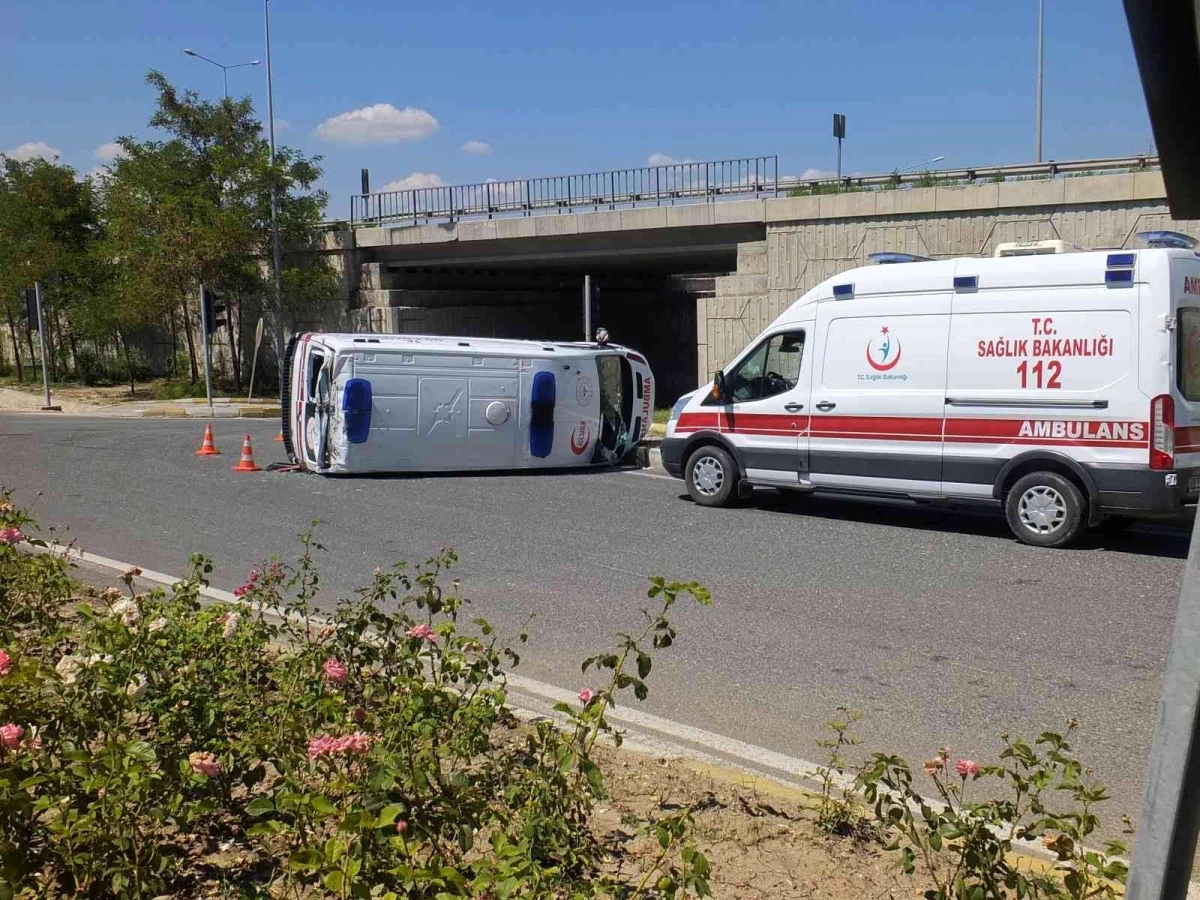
(692,265)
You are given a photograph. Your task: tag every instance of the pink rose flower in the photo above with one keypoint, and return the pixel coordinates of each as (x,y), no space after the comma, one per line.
(933,766)
(586,695)
(421,632)
(205,764)
(10,735)
(356,744)
(966,768)
(11,536)
(5,663)
(335,672)
(401,826)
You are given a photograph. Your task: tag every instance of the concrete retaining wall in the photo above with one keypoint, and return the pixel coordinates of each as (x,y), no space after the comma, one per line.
(809,239)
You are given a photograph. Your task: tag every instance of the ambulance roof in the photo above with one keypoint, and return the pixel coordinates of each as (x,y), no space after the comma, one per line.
(938,275)
(467,346)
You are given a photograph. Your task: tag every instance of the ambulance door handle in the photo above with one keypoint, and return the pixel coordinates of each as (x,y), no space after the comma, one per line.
(793,407)
(825,406)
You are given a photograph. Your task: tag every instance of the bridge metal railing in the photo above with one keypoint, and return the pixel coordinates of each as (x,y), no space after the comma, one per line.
(684,182)
(676,183)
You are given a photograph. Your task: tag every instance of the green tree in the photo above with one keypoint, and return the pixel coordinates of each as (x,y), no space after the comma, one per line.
(47,226)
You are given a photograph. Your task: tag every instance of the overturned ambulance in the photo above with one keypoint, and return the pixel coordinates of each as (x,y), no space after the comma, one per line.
(357,403)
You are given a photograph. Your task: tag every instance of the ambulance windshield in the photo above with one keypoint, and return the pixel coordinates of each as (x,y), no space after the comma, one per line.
(616,401)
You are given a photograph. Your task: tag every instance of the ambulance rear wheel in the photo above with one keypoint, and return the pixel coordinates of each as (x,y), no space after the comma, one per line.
(1045,509)
(711,476)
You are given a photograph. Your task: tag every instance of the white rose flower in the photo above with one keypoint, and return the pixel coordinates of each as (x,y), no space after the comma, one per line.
(136,689)
(157,625)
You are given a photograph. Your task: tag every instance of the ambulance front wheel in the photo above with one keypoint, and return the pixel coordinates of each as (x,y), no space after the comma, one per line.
(1045,509)
(711,476)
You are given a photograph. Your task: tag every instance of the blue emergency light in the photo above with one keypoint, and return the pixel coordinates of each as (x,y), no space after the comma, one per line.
(966,282)
(843,291)
(889,257)
(1118,276)
(1159,239)
(1121,260)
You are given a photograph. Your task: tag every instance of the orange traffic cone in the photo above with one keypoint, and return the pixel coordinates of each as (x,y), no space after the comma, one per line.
(246,463)
(207,447)
(279,438)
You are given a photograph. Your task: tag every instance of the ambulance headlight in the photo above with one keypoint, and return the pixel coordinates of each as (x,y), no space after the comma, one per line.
(679,405)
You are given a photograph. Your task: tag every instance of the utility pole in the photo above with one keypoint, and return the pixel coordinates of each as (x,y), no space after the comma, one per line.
(41,324)
(277,251)
(587,307)
(205,328)
(1037,153)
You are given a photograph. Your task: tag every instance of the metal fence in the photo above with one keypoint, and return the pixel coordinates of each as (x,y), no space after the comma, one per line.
(938,177)
(686,182)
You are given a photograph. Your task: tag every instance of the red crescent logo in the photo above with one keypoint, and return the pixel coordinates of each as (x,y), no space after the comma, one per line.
(884,366)
(580,438)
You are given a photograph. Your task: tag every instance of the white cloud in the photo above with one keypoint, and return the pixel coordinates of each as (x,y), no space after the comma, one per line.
(108,152)
(414,181)
(97,173)
(477,148)
(662,159)
(33,150)
(381,123)
(811,174)
(282,124)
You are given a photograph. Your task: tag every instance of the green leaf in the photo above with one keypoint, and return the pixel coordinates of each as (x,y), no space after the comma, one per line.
(141,751)
(333,881)
(643,664)
(389,814)
(305,860)
(259,806)
(935,841)
(322,805)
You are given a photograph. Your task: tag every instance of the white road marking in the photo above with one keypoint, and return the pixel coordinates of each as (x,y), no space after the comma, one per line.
(652,475)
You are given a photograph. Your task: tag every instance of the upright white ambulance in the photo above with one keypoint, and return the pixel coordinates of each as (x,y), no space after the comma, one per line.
(359,403)
(1064,387)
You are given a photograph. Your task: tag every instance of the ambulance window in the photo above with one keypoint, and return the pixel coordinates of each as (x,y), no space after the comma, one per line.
(616,398)
(1188,366)
(772,368)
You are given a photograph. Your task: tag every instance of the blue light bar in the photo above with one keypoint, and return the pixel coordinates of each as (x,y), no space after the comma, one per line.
(843,291)
(891,257)
(1166,239)
(1118,276)
(966,282)
(1121,260)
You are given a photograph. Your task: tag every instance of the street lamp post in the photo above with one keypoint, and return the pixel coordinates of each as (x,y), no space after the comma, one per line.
(277,251)
(920,165)
(224,69)
(1037,152)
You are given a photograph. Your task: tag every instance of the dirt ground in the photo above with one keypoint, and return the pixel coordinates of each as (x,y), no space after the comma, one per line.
(760,838)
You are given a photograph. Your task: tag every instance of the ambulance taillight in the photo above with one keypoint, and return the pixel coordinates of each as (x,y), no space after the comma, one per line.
(1162,432)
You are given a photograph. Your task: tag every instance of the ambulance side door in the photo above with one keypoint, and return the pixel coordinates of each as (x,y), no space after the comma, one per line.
(878,398)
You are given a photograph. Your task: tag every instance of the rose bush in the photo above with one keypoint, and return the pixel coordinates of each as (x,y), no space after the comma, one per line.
(151,745)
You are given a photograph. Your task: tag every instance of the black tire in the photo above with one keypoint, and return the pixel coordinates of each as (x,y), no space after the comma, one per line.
(1045,509)
(716,482)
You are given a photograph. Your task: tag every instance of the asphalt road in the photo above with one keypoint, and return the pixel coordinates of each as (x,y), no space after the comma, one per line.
(937,625)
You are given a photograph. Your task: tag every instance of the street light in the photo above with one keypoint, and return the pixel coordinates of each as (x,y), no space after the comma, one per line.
(224,69)
(277,251)
(920,165)
(1037,153)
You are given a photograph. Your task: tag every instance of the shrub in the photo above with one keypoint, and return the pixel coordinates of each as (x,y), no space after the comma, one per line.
(965,842)
(90,367)
(153,745)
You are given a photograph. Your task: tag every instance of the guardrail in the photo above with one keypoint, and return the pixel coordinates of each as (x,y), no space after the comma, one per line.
(686,182)
(1050,169)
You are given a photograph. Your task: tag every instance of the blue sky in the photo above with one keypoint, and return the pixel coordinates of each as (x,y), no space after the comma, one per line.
(561,87)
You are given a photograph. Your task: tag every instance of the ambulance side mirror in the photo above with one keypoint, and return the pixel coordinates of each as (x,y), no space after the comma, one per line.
(718,386)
